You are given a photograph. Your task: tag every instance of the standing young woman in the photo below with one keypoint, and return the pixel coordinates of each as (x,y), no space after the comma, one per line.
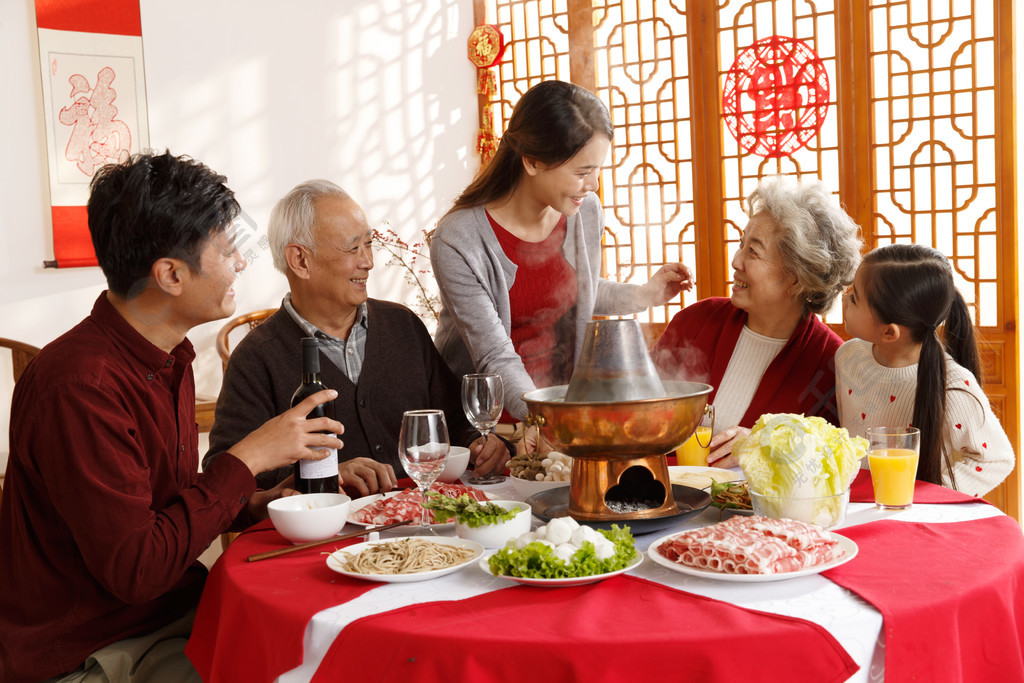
(518,257)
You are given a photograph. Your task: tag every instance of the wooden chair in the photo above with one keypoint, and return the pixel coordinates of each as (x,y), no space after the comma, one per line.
(253,320)
(206,405)
(21,354)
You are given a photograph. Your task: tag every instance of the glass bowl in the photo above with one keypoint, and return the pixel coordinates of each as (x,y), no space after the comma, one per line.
(824,511)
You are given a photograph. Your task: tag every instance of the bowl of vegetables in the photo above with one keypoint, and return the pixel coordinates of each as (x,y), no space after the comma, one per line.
(800,468)
(732,497)
(533,473)
(490,523)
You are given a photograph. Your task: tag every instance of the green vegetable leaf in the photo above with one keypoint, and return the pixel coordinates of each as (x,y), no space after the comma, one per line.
(467,510)
(538,560)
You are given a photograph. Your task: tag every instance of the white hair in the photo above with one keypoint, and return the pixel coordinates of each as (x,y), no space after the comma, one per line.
(817,242)
(292,219)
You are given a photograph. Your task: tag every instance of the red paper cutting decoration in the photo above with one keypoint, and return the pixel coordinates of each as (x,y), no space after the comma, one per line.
(775,96)
(486,45)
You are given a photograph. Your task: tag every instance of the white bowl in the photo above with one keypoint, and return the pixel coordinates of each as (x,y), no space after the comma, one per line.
(528,487)
(497,535)
(455,465)
(309,516)
(825,511)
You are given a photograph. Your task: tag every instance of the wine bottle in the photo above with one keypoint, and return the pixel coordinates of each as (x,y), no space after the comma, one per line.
(314,476)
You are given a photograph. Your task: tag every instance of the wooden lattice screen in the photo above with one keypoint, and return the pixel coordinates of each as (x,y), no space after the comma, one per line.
(917,138)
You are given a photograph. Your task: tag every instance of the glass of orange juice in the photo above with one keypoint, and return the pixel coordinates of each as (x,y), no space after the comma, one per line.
(892,457)
(696,449)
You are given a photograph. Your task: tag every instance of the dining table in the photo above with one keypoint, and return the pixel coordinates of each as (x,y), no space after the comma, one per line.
(935,592)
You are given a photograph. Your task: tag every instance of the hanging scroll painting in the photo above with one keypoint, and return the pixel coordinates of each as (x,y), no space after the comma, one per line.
(94,106)
(775,96)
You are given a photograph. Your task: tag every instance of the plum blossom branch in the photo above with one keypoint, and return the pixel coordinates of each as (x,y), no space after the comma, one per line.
(414,260)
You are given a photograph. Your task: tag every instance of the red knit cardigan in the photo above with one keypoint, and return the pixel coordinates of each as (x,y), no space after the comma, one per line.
(698,344)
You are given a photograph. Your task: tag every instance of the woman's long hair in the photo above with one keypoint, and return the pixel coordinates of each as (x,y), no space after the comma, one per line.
(550,124)
(912,285)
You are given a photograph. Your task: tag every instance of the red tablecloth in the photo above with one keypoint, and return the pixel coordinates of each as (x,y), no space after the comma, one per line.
(251,620)
(951,596)
(861,491)
(624,628)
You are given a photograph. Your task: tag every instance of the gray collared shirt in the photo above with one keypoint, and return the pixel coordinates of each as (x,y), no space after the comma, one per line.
(348,354)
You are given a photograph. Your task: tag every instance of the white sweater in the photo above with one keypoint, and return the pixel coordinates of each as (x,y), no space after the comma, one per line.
(872,395)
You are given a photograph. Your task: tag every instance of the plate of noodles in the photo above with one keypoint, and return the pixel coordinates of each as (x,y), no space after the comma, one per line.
(406,559)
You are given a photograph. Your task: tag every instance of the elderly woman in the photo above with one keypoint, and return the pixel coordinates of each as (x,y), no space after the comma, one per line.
(764,349)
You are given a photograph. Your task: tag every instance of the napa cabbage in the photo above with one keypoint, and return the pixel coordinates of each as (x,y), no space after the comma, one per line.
(803,459)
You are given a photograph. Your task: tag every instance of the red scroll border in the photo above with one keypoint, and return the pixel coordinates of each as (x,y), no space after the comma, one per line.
(72,244)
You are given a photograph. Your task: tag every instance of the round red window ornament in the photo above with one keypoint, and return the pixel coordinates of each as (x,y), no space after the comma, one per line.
(775,96)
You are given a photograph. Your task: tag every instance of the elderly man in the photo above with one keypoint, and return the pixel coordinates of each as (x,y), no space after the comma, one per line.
(377,354)
(104,512)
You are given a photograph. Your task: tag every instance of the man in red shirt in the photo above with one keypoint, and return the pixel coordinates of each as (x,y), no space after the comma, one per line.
(105,513)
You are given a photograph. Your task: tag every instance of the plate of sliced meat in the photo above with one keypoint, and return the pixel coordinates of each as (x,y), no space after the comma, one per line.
(398,506)
(753,549)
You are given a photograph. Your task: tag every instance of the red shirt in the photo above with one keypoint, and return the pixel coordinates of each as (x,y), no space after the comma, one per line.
(104,512)
(542,302)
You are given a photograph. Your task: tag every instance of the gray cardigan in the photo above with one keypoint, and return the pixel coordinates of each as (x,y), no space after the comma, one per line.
(474,278)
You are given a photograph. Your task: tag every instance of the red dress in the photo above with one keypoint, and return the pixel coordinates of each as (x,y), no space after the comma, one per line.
(543,304)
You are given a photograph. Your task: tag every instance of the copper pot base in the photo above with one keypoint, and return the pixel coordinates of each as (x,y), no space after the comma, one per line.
(620,487)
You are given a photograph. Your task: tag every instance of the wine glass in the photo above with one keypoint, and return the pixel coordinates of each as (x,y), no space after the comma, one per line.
(423,450)
(482,402)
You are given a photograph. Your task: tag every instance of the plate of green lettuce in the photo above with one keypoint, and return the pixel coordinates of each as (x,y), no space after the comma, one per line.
(540,563)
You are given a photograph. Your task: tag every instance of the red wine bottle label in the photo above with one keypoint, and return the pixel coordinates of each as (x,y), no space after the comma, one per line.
(320,469)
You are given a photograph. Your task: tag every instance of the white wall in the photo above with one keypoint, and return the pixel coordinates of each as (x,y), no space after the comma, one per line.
(376,95)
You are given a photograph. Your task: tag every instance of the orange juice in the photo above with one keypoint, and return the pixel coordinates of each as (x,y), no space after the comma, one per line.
(893,471)
(692,452)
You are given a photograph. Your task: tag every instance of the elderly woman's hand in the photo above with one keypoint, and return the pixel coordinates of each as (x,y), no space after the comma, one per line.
(721,447)
(664,285)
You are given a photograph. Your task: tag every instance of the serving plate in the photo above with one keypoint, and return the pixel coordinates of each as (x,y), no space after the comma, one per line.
(334,560)
(848,546)
(561,583)
(359,503)
(555,503)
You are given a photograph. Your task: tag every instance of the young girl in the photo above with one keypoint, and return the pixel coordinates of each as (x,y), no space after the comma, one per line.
(898,371)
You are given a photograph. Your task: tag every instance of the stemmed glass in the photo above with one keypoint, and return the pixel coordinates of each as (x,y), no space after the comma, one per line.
(482,402)
(423,450)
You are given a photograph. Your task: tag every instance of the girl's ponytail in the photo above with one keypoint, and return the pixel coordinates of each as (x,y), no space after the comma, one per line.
(930,409)
(960,338)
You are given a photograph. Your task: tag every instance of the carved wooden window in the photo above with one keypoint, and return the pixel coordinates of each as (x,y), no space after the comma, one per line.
(917,139)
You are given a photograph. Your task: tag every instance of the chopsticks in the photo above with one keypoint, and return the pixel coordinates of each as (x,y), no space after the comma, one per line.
(332,539)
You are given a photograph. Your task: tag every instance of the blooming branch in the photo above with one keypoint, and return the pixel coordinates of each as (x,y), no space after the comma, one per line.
(415,262)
